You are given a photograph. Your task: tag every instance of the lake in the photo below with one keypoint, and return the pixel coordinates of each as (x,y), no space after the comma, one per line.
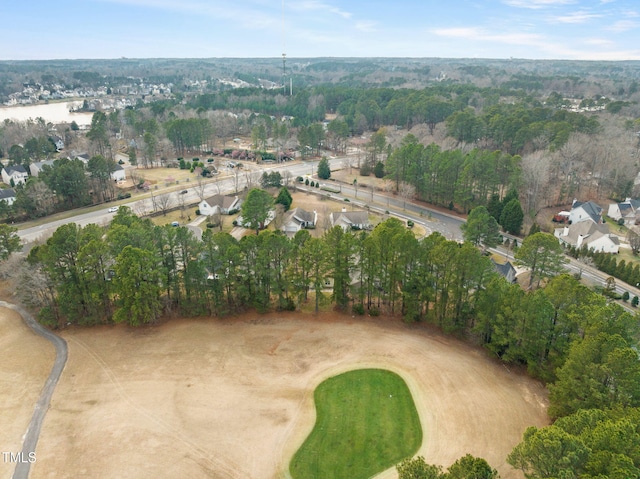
(52,112)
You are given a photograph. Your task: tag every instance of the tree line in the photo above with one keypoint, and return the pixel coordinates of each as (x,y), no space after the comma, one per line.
(386,270)
(452,177)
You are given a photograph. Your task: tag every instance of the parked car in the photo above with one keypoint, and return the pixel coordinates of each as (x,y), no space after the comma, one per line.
(113,209)
(183,192)
(175,223)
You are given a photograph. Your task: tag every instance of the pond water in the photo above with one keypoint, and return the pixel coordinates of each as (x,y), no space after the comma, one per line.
(52,112)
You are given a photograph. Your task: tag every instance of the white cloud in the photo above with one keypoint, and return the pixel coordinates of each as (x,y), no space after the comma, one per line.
(366,26)
(537,4)
(623,26)
(602,42)
(576,17)
(316,5)
(475,33)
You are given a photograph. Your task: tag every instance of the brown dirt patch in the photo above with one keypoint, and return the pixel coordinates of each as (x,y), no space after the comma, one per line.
(25,363)
(233,398)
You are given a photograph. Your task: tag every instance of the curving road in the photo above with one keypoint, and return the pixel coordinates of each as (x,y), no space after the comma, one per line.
(33,430)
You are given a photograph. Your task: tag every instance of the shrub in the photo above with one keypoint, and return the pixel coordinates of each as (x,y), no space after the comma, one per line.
(378,170)
(625,296)
(621,222)
(299,179)
(312,184)
(198,212)
(358,309)
(235,222)
(287,304)
(347,200)
(635,301)
(374,311)
(306,182)
(410,224)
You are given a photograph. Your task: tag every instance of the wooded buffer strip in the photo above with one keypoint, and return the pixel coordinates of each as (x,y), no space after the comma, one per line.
(134,272)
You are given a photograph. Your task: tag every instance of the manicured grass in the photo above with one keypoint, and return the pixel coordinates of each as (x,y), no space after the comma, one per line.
(366,422)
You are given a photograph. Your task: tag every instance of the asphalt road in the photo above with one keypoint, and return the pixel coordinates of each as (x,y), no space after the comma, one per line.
(33,430)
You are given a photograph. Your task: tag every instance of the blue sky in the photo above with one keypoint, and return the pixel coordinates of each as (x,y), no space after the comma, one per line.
(535,29)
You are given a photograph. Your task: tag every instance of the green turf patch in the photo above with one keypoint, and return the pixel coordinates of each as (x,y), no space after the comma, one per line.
(366,422)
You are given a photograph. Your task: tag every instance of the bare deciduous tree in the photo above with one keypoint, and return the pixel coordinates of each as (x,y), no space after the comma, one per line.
(406,191)
(388,189)
(200,187)
(535,172)
(164,203)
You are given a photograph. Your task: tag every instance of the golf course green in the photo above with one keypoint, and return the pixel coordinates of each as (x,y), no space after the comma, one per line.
(366,422)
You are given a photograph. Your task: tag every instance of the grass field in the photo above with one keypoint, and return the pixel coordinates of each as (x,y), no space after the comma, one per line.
(366,422)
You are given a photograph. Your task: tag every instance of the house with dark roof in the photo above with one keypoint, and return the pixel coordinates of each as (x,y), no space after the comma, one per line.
(8,195)
(297,219)
(506,270)
(595,237)
(628,210)
(17,173)
(58,142)
(119,173)
(219,204)
(83,157)
(347,220)
(587,211)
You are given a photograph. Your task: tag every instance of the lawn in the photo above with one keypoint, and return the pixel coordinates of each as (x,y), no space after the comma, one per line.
(366,423)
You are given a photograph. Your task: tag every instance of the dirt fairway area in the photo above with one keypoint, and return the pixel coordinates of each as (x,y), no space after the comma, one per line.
(25,362)
(233,398)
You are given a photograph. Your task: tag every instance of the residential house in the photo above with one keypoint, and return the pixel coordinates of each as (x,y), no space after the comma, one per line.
(36,167)
(119,174)
(219,204)
(506,270)
(588,211)
(58,142)
(628,210)
(358,220)
(8,195)
(83,157)
(297,219)
(17,173)
(595,237)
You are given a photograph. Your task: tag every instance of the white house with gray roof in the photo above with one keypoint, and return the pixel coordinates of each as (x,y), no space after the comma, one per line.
(629,210)
(587,211)
(350,219)
(219,204)
(297,219)
(36,167)
(17,173)
(595,237)
(8,195)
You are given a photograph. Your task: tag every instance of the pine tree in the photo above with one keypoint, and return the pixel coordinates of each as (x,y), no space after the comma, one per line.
(512,217)
(284,198)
